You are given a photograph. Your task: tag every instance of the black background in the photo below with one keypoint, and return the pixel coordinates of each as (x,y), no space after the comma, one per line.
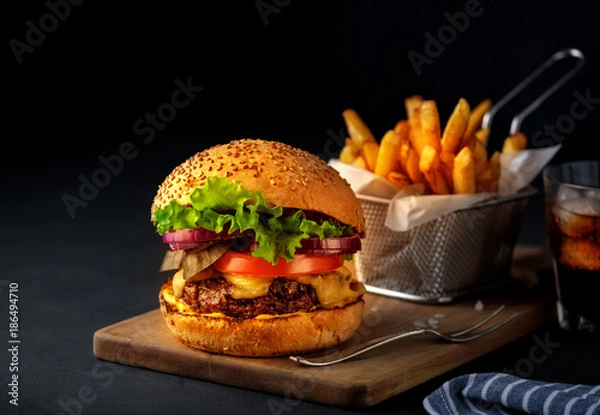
(77,95)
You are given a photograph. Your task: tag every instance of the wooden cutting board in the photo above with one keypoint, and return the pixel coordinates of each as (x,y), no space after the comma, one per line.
(145,341)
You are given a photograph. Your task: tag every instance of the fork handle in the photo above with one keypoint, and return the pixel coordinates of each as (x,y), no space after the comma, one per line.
(335,357)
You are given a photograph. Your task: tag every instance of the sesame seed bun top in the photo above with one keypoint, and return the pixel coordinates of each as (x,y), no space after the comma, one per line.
(287,176)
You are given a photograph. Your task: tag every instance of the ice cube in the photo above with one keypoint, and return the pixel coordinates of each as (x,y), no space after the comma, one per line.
(478,305)
(565,193)
(433,322)
(568,216)
(580,254)
(586,206)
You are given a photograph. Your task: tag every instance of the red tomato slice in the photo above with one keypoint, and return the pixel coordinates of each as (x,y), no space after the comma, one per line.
(244,263)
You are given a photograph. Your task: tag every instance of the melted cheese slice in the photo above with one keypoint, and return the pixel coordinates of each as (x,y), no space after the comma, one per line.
(248,287)
(178,283)
(170,298)
(179,280)
(332,288)
(182,307)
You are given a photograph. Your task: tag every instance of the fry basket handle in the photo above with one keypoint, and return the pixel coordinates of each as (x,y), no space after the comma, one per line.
(515,125)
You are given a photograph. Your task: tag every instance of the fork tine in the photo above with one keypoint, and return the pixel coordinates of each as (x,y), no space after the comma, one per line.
(475,326)
(456,339)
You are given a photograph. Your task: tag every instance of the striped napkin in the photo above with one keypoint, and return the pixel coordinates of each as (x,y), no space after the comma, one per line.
(500,393)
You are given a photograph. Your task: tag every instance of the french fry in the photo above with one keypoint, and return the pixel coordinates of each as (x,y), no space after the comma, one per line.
(387,156)
(430,125)
(403,156)
(413,107)
(400,125)
(347,155)
(475,120)
(360,162)
(514,143)
(483,179)
(398,179)
(482,135)
(402,129)
(413,113)
(494,164)
(481,167)
(487,180)
(429,164)
(481,157)
(470,142)
(521,139)
(456,126)
(412,167)
(358,131)
(370,152)
(447,165)
(349,152)
(510,145)
(353,145)
(463,172)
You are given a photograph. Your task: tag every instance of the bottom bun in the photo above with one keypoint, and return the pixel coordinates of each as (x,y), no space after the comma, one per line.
(271,336)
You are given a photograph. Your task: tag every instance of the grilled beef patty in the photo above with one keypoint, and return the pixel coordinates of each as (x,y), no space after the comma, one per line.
(213,295)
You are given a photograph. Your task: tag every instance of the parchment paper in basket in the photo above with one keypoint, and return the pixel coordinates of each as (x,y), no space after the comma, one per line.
(409,207)
(518,170)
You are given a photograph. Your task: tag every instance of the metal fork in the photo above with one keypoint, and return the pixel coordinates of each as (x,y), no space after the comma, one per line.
(453,337)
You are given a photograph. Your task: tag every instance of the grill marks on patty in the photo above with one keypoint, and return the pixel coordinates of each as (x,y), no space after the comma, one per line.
(214,296)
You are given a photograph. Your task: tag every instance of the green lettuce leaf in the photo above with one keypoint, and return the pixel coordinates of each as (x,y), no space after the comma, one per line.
(224,204)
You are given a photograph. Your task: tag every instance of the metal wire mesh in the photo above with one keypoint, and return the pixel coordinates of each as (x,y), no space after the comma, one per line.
(454,255)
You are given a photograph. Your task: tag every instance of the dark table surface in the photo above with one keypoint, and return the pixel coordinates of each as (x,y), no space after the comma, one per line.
(75,95)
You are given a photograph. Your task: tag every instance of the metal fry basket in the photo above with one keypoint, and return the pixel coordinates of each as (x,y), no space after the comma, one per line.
(460,253)
(457,254)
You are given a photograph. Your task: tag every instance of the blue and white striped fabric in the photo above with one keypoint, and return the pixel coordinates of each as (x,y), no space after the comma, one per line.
(500,393)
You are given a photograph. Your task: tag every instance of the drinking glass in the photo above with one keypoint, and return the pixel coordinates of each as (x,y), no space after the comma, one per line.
(572,198)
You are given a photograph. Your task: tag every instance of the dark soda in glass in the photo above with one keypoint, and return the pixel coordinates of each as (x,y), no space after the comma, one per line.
(573,218)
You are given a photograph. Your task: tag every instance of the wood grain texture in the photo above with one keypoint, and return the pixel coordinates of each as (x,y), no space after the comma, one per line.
(145,341)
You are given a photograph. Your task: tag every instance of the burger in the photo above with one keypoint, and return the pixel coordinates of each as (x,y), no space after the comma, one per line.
(258,234)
